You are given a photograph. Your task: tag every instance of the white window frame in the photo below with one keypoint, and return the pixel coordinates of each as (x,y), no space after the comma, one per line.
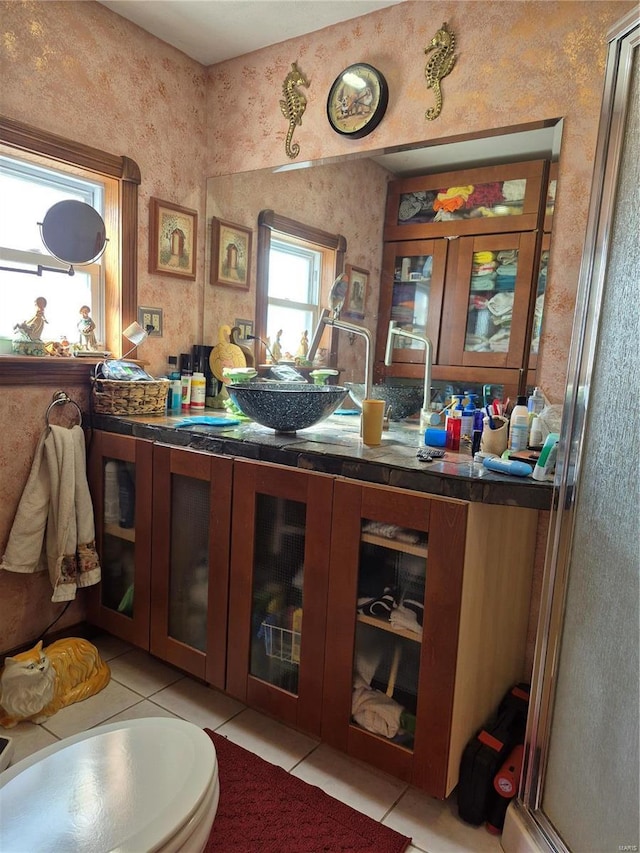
(92,192)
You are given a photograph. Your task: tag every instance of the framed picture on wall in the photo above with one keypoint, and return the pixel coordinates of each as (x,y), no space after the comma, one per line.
(356,298)
(230,254)
(173,232)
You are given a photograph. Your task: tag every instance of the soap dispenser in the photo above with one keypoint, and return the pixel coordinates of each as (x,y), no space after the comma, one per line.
(468,415)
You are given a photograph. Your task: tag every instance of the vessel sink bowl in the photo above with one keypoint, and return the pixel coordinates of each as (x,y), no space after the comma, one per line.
(286,406)
(405,400)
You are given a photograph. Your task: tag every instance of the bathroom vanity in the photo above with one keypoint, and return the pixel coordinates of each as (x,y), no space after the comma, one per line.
(357,594)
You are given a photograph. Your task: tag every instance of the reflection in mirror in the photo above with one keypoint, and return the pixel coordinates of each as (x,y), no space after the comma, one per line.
(347,195)
(295,267)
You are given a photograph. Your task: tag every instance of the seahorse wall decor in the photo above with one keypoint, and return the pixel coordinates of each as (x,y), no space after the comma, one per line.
(293,106)
(439,65)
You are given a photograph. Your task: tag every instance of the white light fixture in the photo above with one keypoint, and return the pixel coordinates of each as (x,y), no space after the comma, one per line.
(136,335)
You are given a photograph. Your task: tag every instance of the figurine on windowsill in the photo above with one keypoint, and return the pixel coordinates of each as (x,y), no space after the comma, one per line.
(31,330)
(86,327)
(303,349)
(27,339)
(276,349)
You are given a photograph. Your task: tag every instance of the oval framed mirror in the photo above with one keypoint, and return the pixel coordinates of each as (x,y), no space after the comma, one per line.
(73,232)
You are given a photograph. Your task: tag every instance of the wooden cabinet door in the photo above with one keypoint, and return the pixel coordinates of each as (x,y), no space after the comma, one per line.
(280,541)
(411,292)
(486,303)
(120,476)
(190,576)
(392,627)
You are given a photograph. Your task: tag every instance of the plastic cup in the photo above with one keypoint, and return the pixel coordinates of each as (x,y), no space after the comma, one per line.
(372,421)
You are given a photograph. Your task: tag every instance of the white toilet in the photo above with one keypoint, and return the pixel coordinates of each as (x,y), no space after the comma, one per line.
(137,786)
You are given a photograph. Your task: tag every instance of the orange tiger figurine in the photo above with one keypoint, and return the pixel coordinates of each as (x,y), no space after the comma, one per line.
(37,683)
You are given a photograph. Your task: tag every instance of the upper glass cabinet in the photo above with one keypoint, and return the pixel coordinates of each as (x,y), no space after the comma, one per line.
(492,199)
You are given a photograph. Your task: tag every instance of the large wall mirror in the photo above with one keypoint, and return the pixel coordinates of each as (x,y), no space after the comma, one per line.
(348,196)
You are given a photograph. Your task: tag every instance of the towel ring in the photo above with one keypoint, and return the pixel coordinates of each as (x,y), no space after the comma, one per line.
(61,398)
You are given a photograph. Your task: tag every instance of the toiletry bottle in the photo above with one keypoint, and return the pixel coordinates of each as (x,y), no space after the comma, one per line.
(457,409)
(535,432)
(535,404)
(519,426)
(185,381)
(198,387)
(453,426)
(546,464)
(468,417)
(174,397)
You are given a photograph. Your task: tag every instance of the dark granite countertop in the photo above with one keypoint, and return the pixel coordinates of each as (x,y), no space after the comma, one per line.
(334,447)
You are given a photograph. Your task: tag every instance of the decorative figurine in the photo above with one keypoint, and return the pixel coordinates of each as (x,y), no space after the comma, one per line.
(31,330)
(86,327)
(37,683)
(440,64)
(276,349)
(303,349)
(293,106)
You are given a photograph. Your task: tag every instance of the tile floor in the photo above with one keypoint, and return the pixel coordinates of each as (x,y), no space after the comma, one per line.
(142,686)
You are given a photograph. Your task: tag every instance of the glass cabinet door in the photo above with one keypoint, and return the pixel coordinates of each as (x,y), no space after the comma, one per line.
(120,476)
(276,608)
(494,277)
(540,297)
(411,295)
(280,538)
(118,536)
(189,594)
(392,576)
(189,561)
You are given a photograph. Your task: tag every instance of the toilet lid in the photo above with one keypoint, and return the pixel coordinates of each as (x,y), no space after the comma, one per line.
(125,786)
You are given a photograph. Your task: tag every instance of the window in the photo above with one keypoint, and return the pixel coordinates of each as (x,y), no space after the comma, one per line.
(27,192)
(292,300)
(120,177)
(297,265)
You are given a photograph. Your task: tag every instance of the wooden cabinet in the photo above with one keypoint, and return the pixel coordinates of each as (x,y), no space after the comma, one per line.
(460,264)
(281,529)
(190,577)
(387,622)
(120,475)
(426,626)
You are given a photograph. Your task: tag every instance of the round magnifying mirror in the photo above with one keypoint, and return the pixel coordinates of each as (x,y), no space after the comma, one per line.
(338,293)
(74,232)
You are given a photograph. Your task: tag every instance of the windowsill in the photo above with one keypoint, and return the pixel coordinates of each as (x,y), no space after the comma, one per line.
(45,370)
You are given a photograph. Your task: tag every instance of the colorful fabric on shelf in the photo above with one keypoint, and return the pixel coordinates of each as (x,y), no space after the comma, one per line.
(514,190)
(483,257)
(452,199)
(485,195)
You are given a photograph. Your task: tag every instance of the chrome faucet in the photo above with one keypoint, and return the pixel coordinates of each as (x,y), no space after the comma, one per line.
(327,319)
(394,331)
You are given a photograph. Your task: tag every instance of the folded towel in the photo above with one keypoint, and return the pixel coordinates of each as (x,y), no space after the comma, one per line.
(55,513)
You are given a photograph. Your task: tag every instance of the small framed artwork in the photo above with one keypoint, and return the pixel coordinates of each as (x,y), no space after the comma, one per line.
(230,254)
(356,299)
(173,234)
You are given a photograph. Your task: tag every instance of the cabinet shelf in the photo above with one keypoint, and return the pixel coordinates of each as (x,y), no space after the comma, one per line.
(395,545)
(127,533)
(391,629)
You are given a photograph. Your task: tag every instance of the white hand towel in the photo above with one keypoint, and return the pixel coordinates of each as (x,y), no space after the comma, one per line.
(56,501)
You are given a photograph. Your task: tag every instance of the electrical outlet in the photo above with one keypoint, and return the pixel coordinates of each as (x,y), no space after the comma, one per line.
(151,317)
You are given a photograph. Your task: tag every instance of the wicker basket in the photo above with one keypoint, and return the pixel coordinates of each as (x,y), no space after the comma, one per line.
(119,397)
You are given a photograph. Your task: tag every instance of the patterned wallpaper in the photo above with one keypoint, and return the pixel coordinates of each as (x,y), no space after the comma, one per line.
(81,71)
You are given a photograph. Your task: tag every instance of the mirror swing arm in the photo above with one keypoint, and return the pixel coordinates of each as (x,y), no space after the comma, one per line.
(39,270)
